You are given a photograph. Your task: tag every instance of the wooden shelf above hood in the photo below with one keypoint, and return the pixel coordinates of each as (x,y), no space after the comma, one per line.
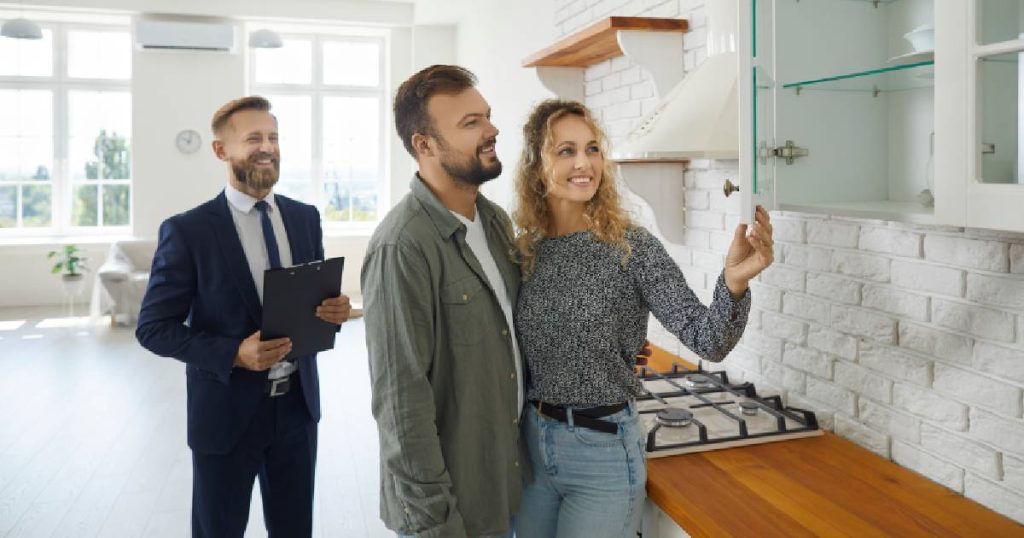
(598,42)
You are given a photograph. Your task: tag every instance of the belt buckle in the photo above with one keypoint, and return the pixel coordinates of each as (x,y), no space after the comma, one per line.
(279,386)
(540,409)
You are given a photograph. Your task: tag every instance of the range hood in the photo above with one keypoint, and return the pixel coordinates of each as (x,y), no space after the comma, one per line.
(698,118)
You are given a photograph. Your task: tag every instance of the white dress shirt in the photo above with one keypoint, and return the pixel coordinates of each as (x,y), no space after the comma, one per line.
(250,233)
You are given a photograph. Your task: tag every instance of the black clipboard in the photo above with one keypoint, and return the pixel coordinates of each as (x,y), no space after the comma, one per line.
(290,298)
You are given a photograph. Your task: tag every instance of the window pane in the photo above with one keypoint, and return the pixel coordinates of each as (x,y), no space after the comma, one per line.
(290,64)
(35,158)
(351,201)
(352,63)
(351,157)
(351,138)
(83,211)
(299,189)
(36,206)
(26,112)
(116,205)
(10,165)
(106,55)
(1000,20)
(100,129)
(27,57)
(294,115)
(8,206)
(364,200)
(336,208)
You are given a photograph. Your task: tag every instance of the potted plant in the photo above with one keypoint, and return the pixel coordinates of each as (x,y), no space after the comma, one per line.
(71,263)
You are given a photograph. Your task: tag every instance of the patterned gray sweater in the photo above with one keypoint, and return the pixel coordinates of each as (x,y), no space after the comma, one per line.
(582,316)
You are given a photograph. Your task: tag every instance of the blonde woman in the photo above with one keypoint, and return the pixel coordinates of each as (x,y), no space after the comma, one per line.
(590,279)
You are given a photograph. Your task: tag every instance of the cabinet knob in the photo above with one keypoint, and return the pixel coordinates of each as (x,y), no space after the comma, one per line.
(729,188)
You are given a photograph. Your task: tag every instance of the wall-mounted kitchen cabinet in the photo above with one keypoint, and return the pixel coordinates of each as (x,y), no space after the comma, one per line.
(895,109)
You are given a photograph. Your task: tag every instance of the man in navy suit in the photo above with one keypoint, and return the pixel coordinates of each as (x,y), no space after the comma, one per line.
(249,412)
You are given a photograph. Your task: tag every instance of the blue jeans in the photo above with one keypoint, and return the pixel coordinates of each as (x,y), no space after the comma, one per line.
(586,483)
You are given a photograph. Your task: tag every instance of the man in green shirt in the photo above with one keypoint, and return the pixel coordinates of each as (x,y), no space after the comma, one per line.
(439,283)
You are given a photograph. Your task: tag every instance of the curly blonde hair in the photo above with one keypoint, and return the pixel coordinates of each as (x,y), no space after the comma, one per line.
(604,214)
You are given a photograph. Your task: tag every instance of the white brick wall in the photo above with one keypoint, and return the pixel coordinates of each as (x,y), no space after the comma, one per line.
(906,339)
(1013,472)
(972,455)
(862,435)
(941,471)
(936,344)
(889,421)
(930,405)
(895,363)
(888,241)
(994,496)
(970,253)
(832,342)
(975,320)
(1000,361)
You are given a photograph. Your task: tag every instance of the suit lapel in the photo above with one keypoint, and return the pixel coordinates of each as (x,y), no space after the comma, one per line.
(231,247)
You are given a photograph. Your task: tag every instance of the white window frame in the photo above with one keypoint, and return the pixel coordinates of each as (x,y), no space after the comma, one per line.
(317,90)
(60,178)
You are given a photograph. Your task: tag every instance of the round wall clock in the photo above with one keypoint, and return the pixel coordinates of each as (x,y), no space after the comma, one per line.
(188,141)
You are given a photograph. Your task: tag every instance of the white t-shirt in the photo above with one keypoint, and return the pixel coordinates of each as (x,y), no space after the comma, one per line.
(476,238)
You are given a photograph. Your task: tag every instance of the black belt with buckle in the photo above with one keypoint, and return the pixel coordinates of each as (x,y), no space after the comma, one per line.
(588,418)
(279,386)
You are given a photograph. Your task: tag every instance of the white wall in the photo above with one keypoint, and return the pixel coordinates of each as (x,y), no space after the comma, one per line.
(908,340)
(172,91)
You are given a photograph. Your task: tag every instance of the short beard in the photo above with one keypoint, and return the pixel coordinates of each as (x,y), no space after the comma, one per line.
(259,179)
(473,172)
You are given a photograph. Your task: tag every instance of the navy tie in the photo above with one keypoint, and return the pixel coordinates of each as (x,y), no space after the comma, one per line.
(268,235)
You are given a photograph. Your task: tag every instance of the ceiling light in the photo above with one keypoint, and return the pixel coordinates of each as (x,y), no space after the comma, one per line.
(265,39)
(22,29)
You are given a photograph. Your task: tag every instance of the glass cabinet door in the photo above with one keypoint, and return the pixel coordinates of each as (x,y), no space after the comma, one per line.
(998,94)
(842,106)
(763,98)
(995,182)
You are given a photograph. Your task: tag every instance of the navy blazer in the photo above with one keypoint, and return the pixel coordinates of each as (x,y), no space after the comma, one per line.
(200,304)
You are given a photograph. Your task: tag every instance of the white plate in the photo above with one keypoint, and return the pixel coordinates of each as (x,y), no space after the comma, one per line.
(913,57)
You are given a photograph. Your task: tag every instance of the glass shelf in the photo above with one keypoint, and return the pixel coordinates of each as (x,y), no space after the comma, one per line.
(874,209)
(885,79)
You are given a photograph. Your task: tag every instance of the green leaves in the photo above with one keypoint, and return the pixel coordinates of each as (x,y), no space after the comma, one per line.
(68,261)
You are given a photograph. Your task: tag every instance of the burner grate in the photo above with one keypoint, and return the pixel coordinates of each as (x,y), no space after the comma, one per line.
(724,413)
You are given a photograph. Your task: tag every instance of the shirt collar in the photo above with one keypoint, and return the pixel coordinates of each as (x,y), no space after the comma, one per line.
(444,219)
(243,202)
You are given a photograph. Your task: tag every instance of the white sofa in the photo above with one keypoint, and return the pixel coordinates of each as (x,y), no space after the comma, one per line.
(121,281)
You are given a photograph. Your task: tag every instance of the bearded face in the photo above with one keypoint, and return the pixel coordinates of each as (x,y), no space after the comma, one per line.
(260,171)
(472,169)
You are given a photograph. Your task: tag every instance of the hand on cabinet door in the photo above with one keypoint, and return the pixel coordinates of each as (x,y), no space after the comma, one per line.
(750,253)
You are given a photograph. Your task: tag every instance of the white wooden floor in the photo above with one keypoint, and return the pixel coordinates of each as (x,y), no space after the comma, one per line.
(92,435)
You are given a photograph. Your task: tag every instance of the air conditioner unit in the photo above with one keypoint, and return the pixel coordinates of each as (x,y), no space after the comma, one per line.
(159,34)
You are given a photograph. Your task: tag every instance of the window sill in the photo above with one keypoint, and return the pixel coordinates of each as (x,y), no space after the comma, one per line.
(41,242)
(347,234)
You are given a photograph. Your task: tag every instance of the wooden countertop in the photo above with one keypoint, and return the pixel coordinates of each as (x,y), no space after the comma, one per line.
(818,486)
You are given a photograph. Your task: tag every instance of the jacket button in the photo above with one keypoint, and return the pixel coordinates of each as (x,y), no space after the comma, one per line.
(504,332)
(512,375)
(465,297)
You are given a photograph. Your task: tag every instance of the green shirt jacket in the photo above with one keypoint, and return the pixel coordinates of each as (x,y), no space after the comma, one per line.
(443,373)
